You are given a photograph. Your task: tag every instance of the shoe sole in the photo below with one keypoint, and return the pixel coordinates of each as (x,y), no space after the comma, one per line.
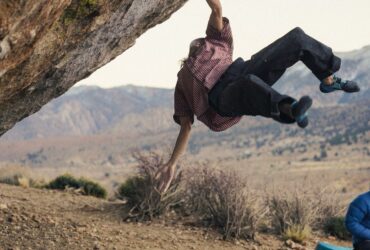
(353,91)
(303,105)
(326,91)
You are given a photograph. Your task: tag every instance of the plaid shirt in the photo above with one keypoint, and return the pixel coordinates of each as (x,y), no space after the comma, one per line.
(199,74)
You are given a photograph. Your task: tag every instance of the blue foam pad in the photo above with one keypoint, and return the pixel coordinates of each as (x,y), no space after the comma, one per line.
(326,246)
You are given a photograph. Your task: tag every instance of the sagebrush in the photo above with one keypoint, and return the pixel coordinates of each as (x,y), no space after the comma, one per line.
(225,199)
(140,190)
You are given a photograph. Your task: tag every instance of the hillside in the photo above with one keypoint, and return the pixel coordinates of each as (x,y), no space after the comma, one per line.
(39,219)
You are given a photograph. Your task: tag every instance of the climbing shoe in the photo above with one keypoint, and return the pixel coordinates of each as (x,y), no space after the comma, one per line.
(299,111)
(339,84)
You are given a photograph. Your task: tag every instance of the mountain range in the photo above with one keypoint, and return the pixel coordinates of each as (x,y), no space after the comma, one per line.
(87,110)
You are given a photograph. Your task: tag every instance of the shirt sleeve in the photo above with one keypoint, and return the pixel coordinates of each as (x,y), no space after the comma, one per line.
(181,106)
(225,35)
(357,211)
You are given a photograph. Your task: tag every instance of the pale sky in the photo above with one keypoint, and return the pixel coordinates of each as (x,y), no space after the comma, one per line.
(154,59)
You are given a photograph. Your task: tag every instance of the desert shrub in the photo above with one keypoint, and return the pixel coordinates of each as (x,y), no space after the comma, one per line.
(63,181)
(224,199)
(11,180)
(140,190)
(131,190)
(92,188)
(335,226)
(293,214)
(329,205)
(20,180)
(87,187)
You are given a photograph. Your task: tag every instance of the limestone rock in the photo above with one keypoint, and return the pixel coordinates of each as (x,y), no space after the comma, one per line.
(46,46)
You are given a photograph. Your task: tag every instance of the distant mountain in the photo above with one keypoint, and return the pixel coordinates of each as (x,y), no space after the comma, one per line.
(129,110)
(87,110)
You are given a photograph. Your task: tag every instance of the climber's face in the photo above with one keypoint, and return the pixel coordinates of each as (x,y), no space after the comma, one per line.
(194,45)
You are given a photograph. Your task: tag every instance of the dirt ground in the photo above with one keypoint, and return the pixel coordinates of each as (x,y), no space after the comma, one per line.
(45,219)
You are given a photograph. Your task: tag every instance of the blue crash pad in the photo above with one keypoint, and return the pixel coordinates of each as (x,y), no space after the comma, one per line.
(326,246)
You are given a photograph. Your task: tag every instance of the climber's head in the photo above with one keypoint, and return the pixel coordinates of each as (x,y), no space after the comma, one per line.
(194,45)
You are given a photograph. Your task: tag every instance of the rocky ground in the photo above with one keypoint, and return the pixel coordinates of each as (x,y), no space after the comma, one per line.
(44,219)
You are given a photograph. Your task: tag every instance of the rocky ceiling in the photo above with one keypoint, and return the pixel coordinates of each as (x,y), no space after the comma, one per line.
(46,46)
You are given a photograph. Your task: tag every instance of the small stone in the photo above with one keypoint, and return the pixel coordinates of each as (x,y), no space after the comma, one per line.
(96,246)
(3,206)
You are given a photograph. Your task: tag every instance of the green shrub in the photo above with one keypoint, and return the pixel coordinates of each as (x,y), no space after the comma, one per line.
(88,187)
(93,189)
(132,190)
(335,226)
(63,181)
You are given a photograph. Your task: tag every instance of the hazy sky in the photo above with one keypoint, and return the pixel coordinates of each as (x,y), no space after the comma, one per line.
(154,59)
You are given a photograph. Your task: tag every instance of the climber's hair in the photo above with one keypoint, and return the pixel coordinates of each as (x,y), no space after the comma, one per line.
(194,46)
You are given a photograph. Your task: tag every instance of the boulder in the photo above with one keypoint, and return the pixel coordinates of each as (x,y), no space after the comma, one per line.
(46,46)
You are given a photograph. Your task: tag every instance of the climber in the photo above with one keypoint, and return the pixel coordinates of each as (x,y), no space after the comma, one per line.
(219,91)
(358,221)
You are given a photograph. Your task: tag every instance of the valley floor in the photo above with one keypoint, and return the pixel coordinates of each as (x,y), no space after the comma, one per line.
(44,219)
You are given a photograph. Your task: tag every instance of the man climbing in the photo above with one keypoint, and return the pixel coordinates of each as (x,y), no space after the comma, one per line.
(219,91)
(358,221)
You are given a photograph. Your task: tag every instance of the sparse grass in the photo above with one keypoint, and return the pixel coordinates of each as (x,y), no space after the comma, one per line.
(297,233)
(87,187)
(293,214)
(18,176)
(144,200)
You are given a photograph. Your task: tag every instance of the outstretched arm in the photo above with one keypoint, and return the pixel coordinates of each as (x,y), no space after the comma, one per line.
(216,16)
(166,173)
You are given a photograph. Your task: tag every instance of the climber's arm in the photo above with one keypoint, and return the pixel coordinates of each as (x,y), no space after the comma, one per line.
(215,19)
(166,173)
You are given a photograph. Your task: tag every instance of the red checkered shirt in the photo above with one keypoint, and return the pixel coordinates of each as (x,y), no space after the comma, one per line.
(199,74)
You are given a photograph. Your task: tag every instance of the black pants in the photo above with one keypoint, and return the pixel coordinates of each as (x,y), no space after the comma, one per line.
(246,87)
(365,245)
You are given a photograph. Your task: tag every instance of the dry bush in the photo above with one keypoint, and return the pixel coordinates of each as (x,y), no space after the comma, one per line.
(225,200)
(141,193)
(293,214)
(288,210)
(329,205)
(18,176)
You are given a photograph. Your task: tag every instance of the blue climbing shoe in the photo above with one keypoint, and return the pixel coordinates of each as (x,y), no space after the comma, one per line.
(299,111)
(339,84)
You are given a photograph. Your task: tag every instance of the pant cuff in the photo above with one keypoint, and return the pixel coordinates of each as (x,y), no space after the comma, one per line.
(335,66)
(275,112)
